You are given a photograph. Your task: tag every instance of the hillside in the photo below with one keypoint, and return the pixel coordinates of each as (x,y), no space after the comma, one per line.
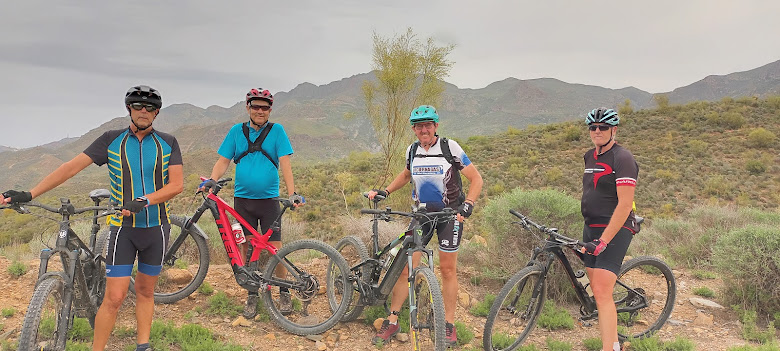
(314,116)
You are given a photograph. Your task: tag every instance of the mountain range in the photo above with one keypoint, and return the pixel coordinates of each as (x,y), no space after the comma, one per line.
(315,117)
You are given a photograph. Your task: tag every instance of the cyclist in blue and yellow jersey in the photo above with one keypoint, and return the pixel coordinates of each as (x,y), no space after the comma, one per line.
(145,171)
(260,149)
(433,166)
(608,186)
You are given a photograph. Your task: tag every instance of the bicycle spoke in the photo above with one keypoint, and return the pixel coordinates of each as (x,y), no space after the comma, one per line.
(39,329)
(644,297)
(427,323)
(515,310)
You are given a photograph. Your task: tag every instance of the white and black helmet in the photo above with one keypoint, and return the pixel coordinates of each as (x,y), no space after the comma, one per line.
(143,93)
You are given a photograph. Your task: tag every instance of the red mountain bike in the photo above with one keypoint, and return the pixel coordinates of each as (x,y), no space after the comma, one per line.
(305,262)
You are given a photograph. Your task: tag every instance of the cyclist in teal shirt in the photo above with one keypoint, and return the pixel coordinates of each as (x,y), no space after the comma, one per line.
(259,149)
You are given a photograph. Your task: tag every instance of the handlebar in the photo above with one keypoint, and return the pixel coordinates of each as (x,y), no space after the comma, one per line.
(447,212)
(552,232)
(376,198)
(65,208)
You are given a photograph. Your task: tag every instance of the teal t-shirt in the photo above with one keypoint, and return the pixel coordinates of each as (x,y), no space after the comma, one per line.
(256,176)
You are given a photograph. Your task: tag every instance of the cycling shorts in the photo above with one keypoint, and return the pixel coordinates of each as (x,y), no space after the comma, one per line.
(262,211)
(449,234)
(611,258)
(125,243)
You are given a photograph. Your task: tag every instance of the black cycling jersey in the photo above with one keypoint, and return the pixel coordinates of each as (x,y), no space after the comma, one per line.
(603,174)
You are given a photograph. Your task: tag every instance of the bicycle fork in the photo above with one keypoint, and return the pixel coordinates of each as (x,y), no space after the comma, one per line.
(413,320)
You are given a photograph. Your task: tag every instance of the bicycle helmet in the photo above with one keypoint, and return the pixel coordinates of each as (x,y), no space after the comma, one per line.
(259,94)
(424,113)
(143,93)
(603,115)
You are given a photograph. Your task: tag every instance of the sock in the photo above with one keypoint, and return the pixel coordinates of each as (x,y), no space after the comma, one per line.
(141,347)
(616,346)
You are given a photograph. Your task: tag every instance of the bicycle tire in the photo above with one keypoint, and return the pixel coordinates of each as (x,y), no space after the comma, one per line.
(195,249)
(315,314)
(650,275)
(101,249)
(514,313)
(354,252)
(427,325)
(38,321)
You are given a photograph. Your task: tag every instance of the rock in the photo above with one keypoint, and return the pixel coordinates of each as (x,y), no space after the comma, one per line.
(333,338)
(703,319)
(464,299)
(321,346)
(309,320)
(216,320)
(704,303)
(270,336)
(478,240)
(402,337)
(178,276)
(323,289)
(314,337)
(378,323)
(241,321)
(674,322)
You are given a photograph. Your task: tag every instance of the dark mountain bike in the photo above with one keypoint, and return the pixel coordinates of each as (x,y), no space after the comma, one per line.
(75,291)
(186,263)
(644,293)
(368,288)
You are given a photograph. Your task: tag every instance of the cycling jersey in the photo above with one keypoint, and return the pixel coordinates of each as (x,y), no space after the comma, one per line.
(136,168)
(433,182)
(256,177)
(603,174)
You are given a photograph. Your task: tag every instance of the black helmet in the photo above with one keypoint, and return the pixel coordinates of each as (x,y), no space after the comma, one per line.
(143,93)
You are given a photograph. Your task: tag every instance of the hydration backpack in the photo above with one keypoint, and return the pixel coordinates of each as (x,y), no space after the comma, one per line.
(447,154)
(257,144)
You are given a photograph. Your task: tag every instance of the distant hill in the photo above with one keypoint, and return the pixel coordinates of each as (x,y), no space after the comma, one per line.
(314,117)
(6,148)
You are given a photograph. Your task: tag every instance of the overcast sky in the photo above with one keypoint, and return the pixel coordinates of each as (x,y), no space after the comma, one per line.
(65,66)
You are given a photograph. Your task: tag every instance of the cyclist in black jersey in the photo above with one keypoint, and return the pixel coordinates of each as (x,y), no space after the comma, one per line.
(145,171)
(608,185)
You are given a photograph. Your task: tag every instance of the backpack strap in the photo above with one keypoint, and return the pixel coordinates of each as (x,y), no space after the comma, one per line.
(412,154)
(447,154)
(257,144)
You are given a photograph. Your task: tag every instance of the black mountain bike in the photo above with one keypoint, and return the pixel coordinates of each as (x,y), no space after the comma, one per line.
(77,290)
(644,293)
(426,304)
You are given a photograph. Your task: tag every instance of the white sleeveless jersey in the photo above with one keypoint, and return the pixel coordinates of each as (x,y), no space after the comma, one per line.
(432,177)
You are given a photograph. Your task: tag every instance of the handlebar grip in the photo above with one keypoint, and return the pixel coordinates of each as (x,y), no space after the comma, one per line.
(515,213)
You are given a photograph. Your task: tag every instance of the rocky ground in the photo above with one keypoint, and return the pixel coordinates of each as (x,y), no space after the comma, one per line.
(710,328)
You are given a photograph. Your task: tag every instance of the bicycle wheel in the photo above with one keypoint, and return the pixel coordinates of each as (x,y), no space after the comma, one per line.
(305,263)
(643,281)
(427,328)
(42,320)
(354,251)
(187,266)
(515,311)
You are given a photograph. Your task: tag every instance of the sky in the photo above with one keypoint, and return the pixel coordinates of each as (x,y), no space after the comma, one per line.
(65,66)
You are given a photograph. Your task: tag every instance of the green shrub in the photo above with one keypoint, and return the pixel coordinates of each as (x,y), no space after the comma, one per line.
(9,312)
(655,344)
(77,346)
(555,345)
(465,335)
(698,147)
(81,330)
(751,331)
(222,305)
(704,291)
(748,261)
(769,347)
(166,336)
(205,288)
(17,269)
(482,309)
(553,317)
(375,312)
(761,138)
(755,167)
(592,344)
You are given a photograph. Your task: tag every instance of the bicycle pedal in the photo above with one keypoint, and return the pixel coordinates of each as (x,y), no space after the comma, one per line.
(586,324)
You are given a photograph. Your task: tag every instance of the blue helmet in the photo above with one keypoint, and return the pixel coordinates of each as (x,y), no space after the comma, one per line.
(424,113)
(603,115)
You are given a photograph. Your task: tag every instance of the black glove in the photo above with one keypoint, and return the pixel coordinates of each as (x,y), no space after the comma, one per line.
(18,196)
(297,199)
(207,184)
(595,247)
(465,209)
(381,192)
(136,205)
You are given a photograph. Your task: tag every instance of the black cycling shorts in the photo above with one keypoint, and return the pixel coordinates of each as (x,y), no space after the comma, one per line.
(262,211)
(125,243)
(611,258)
(449,234)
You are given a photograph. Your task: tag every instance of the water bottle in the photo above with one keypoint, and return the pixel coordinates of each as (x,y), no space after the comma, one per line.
(238,233)
(582,278)
(391,257)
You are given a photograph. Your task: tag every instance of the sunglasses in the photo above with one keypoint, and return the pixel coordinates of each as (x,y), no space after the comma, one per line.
(601,127)
(138,106)
(259,107)
(425,125)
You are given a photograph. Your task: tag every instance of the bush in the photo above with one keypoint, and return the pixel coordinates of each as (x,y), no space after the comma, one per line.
(772,347)
(80,331)
(555,345)
(751,331)
(748,261)
(592,344)
(704,291)
(755,167)
(655,344)
(17,269)
(482,309)
(9,312)
(761,138)
(206,289)
(465,335)
(702,274)
(166,336)
(553,317)
(221,305)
